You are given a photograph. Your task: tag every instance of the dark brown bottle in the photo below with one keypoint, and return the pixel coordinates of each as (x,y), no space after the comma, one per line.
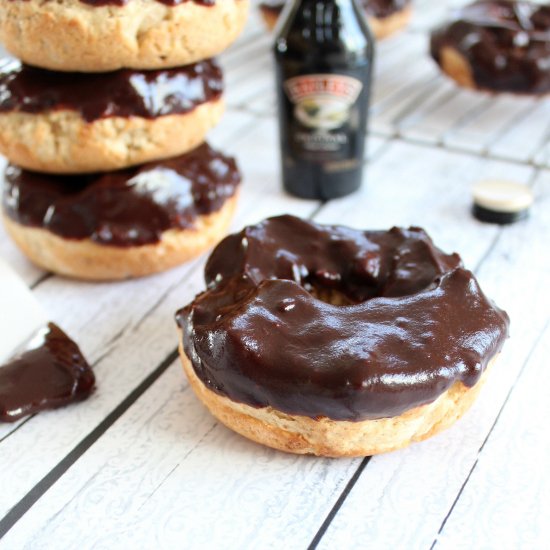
(324,55)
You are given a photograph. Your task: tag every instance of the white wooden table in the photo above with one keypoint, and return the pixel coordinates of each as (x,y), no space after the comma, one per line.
(142,464)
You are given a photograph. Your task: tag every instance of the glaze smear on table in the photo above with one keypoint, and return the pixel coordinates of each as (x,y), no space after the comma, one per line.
(50,373)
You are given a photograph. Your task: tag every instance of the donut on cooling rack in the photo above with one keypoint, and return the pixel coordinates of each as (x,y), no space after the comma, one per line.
(105,35)
(122,224)
(77,123)
(385,16)
(336,342)
(496,45)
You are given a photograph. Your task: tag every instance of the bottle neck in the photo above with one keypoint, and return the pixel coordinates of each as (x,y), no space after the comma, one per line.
(322,13)
(325,29)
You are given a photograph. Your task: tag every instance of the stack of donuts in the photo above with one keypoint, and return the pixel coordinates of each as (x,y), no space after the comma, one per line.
(103,122)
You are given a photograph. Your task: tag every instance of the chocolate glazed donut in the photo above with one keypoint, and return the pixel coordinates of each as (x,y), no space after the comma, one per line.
(412,326)
(497,45)
(75,123)
(128,223)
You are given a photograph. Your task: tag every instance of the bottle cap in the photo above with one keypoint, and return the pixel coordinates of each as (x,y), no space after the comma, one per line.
(501,202)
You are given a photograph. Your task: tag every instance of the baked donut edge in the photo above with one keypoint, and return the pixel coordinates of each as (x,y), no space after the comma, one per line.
(455,65)
(137,35)
(63,142)
(87,260)
(330,438)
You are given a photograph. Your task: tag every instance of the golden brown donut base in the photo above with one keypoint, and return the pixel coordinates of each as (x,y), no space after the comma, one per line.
(62,142)
(68,35)
(331,438)
(84,259)
(381,27)
(457,67)
(386,26)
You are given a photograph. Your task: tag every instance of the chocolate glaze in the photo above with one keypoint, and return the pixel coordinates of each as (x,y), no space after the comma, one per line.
(124,93)
(50,373)
(373,8)
(129,207)
(507,44)
(418,322)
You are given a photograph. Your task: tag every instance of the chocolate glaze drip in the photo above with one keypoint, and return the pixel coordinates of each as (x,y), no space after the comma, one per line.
(124,93)
(129,207)
(506,43)
(50,373)
(418,322)
(373,8)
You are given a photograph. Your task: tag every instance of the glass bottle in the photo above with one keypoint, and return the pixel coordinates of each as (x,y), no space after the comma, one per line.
(324,54)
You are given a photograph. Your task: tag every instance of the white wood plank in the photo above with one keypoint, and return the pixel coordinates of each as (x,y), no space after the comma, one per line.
(501,115)
(22,316)
(223,491)
(446,116)
(95,314)
(237,55)
(542,156)
(387,117)
(400,87)
(508,494)
(249,72)
(427,14)
(507,498)
(27,271)
(442,91)
(411,491)
(266,510)
(526,136)
(399,65)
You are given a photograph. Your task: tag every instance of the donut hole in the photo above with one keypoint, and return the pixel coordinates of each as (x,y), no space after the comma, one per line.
(330,296)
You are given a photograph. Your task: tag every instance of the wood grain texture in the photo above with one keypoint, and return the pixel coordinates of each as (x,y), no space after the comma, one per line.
(507,472)
(249,471)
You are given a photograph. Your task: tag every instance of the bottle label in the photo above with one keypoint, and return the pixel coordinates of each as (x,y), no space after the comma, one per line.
(323,101)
